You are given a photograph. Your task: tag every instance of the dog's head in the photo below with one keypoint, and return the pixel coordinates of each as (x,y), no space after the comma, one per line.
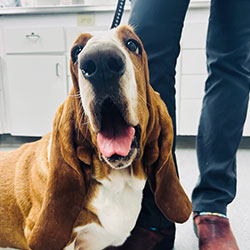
(127,124)
(106,67)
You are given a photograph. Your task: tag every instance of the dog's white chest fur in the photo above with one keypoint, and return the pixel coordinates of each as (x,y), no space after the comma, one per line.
(117,204)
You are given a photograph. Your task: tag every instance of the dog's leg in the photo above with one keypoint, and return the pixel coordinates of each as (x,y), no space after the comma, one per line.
(93,237)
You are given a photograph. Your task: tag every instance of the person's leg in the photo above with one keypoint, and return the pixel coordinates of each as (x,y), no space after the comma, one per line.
(221,123)
(225,104)
(159,26)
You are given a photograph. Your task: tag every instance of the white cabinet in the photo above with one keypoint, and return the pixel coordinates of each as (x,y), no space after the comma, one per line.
(36,78)
(37,86)
(36,67)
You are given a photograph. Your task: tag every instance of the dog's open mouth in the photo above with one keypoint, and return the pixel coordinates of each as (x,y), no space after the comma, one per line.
(116,136)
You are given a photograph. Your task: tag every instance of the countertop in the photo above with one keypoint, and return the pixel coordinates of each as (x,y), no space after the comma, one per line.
(78,8)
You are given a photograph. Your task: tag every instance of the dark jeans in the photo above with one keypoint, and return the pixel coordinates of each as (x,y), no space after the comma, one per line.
(224,105)
(159,25)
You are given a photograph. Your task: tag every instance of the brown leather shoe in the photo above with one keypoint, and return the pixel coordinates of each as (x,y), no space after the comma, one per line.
(214,233)
(145,239)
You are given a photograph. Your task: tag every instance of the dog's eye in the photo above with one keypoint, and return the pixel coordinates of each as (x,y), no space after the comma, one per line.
(133,46)
(75,52)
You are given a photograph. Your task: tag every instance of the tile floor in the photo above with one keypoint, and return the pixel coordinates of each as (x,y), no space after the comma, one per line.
(237,211)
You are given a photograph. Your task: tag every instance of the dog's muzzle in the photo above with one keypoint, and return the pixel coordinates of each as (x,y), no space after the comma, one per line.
(103,66)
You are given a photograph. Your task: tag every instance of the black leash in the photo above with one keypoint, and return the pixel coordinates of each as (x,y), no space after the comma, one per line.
(118,13)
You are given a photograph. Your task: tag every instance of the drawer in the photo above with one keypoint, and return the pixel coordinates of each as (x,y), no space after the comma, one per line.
(189,116)
(34,40)
(1,42)
(192,86)
(194,35)
(193,61)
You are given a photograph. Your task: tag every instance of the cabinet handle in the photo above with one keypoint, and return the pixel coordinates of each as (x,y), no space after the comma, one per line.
(33,35)
(57,70)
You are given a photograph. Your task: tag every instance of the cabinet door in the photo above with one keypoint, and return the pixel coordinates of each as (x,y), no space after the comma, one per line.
(1,100)
(1,111)
(37,86)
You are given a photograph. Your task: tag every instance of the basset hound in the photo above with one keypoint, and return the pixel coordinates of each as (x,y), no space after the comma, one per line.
(83,182)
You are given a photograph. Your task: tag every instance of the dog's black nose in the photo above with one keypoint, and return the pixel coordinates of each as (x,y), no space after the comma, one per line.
(102,64)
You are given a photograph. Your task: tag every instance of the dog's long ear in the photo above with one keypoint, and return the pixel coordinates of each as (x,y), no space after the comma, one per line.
(69,176)
(66,186)
(169,194)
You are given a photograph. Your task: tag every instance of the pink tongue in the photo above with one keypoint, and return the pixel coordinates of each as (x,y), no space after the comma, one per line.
(116,140)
